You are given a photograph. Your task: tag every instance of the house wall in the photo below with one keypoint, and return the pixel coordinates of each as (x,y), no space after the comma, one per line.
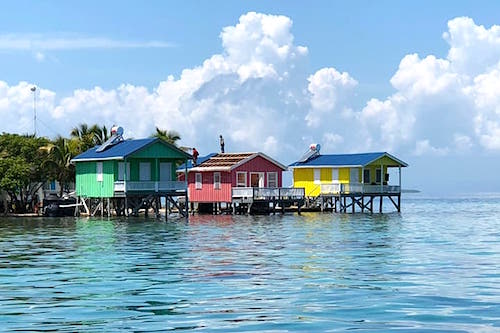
(154,165)
(86,180)
(208,193)
(258,164)
(304,177)
(228,179)
(156,150)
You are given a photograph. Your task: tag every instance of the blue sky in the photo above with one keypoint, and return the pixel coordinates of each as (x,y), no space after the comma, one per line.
(412,78)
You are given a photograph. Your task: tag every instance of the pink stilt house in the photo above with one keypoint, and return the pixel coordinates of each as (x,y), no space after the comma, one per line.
(213,180)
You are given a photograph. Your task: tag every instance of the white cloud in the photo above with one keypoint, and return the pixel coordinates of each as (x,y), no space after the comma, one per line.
(40,42)
(329,89)
(423,147)
(259,94)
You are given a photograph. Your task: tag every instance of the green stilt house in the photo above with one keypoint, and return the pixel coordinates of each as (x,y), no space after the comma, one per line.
(128,175)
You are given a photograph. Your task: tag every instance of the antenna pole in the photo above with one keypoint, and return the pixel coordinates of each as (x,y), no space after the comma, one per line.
(33,89)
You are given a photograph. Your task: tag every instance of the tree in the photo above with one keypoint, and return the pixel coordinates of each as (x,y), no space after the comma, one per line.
(101,134)
(84,135)
(89,136)
(21,173)
(58,164)
(169,136)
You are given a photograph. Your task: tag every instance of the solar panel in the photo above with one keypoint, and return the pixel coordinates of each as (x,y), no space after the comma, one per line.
(113,140)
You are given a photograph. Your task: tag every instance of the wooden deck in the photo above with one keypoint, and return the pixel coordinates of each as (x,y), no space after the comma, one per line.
(353,197)
(257,199)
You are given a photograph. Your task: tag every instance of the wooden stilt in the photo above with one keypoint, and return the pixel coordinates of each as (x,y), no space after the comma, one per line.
(126,206)
(380,205)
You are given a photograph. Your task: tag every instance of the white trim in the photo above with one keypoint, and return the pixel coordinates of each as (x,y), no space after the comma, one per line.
(276,179)
(198,183)
(246,180)
(96,159)
(217,184)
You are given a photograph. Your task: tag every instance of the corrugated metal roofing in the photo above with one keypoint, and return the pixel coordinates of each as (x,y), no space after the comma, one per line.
(226,160)
(229,161)
(201,159)
(362,159)
(119,150)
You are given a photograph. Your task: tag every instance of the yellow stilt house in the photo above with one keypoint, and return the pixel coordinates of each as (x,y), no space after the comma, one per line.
(335,177)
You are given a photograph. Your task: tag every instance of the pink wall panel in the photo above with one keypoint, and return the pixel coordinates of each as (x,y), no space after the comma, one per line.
(208,193)
(258,164)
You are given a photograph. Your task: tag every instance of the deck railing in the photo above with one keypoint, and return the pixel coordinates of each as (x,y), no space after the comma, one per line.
(149,186)
(268,193)
(349,188)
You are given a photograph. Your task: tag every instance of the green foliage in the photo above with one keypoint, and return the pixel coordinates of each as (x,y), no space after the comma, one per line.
(58,163)
(21,173)
(169,136)
(89,136)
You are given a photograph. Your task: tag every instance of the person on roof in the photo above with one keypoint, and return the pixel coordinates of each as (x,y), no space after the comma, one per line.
(195,156)
(221,141)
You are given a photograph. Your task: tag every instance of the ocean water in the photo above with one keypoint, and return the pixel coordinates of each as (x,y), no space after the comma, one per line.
(435,267)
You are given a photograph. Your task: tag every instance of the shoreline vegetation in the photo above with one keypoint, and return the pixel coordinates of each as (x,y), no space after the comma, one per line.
(28,162)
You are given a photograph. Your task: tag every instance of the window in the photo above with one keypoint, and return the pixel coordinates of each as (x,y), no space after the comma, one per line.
(378,176)
(144,171)
(121,171)
(99,171)
(366,176)
(335,175)
(354,179)
(198,181)
(217,180)
(165,171)
(272,179)
(241,179)
(317,175)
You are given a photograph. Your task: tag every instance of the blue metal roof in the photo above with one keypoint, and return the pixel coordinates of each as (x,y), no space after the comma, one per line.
(201,159)
(119,150)
(362,159)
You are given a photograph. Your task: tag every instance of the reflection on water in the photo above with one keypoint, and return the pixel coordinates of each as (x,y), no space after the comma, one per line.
(422,270)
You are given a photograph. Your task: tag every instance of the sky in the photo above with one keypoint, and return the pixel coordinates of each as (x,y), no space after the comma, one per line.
(420,80)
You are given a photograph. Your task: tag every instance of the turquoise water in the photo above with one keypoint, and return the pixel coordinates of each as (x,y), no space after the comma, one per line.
(433,268)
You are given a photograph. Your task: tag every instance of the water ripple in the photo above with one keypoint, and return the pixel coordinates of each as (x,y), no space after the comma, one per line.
(430,269)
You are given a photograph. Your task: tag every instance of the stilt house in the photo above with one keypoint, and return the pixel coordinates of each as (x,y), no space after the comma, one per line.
(334,178)
(236,179)
(128,174)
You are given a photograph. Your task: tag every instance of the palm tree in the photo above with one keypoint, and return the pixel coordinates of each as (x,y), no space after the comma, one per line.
(60,152)
(169,136)
(101,134)
(84,135)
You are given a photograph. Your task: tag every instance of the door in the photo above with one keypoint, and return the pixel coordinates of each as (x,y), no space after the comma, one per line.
(257,179)
(165,172)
